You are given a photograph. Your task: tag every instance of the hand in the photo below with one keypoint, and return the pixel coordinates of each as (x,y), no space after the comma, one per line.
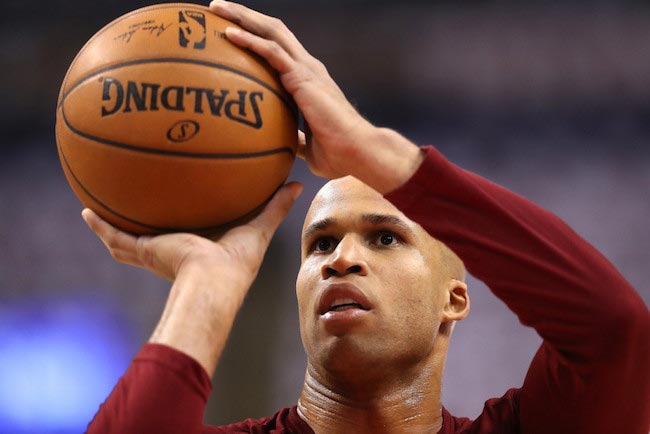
(211,278)
(241,248)
(332,119)
(340,141)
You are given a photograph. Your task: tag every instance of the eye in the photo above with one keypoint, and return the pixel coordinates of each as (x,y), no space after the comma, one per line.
(386,239)
(324,244)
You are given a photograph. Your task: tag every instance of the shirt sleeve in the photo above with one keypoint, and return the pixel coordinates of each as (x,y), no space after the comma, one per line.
(591,373)
(163,391)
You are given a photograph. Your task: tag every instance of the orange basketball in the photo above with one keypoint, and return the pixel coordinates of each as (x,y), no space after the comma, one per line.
(164,125)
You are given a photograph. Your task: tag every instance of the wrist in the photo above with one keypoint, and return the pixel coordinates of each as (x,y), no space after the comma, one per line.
(207,295)
(199,314)
(386,159)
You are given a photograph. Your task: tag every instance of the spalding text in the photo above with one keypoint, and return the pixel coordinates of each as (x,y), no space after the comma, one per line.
(236,106)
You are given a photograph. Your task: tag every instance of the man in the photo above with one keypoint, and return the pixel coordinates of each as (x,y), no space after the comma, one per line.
(380,287)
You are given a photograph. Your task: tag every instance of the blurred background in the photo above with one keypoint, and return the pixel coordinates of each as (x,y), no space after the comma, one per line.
(550,99)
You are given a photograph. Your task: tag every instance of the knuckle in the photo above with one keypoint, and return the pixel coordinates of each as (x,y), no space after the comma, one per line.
(264,236)
(241,255)
(277,49)
(305,74)
(277,24)
(143,253)
(274,49)
(117,255)
(108,238)
(264,232)
(317,65)
(192,245)
(276,28)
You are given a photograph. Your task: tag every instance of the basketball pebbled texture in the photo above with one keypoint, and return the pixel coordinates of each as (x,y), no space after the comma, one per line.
(164,125)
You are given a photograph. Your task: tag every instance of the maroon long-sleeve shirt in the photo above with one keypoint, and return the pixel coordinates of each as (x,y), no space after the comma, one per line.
(591,374)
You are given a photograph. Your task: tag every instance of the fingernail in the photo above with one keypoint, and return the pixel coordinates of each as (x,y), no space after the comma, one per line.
(232,31)
(296,191)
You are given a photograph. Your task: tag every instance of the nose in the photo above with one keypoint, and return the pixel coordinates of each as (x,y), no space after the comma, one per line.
(346,259)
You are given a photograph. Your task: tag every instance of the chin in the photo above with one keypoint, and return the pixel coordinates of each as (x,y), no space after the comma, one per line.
(358,358)
(351,355)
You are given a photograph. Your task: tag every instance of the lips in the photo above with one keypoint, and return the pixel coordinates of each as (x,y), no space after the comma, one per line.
(341,297)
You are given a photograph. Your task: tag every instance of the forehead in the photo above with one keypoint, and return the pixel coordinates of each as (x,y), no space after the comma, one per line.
(347,198)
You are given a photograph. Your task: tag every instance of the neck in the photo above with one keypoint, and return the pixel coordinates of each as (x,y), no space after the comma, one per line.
(407,401)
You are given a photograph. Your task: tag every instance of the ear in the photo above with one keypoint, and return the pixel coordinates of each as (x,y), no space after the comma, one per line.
(457,301)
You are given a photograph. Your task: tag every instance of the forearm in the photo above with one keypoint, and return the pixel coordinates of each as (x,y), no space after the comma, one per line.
(199,314)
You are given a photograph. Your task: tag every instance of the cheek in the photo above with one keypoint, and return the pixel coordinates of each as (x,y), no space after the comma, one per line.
(418,298)
(305,283)
(414,279)
(301,297)
(301,285)
(419,321)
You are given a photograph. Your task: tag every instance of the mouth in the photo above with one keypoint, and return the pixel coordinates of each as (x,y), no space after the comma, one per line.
(345,304)
(342,297)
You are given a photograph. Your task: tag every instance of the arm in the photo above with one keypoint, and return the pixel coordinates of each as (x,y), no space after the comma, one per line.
(164,390)
(591,373)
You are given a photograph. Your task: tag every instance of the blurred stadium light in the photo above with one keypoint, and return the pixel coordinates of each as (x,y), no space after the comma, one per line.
(59,359)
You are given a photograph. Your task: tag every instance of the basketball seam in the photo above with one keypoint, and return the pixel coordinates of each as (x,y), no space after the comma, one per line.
(221,66)
(133,221)
(201,155)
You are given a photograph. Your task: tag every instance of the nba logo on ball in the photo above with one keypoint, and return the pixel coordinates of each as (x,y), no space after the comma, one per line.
(191,29)
(164,125)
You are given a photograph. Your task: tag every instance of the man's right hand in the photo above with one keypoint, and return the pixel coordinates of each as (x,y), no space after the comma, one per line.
(211,278)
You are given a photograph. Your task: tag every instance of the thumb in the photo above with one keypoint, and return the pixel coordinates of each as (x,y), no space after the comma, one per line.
(277,209)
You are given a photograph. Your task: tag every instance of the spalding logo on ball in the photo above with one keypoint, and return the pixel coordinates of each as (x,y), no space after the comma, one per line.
(164,125)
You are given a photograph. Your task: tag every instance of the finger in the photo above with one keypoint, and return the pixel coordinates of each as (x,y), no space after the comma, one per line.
(120,244)
(262,25)
(270,50)
(308,134)
(276,210)
(301,150)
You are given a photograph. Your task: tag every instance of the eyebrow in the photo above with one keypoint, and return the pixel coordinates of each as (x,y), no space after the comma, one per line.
(374,219)
(318,226)
(379,219)
(391,220)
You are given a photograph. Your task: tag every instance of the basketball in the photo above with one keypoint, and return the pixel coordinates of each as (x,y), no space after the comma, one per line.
(163,125)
